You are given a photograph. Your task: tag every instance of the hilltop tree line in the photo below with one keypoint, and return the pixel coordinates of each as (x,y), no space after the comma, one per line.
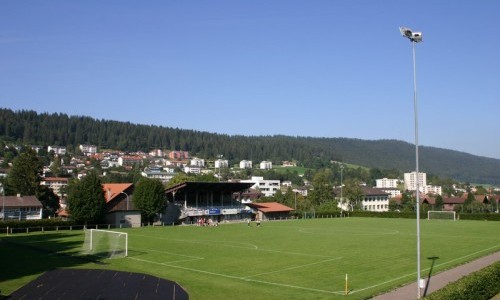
(32,128)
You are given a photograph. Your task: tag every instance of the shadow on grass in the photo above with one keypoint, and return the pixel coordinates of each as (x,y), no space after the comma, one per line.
(429,276)
(28,255)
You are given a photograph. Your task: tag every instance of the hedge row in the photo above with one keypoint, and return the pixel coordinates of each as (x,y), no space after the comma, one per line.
(486,217)
(403,215)
(35,223)
(483,284)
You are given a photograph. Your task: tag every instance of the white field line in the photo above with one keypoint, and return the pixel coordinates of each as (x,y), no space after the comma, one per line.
(188,257)
(239,278)
(314,232)
(235,245)
(227,244)
(427,269)
(294,267)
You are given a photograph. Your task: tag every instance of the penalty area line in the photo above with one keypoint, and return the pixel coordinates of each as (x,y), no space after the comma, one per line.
(294,267)
(239,278)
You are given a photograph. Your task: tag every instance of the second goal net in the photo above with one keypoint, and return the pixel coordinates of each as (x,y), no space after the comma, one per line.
(105,243)
(441,215)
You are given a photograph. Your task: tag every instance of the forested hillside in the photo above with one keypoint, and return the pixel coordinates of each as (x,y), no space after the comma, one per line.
(30,127)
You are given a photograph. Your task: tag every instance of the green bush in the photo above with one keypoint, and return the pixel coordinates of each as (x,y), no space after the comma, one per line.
(479,285)
(486,217)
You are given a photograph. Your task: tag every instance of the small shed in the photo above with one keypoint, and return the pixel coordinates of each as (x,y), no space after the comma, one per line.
(270,210)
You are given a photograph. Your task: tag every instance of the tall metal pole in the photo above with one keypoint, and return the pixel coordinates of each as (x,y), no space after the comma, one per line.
(417,204)
(3,202)
(341,185)
(415,37)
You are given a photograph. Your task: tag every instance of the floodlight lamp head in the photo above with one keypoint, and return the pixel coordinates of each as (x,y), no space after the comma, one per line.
(415,37)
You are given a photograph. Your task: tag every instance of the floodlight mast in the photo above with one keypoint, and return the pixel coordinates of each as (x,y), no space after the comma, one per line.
(415,37)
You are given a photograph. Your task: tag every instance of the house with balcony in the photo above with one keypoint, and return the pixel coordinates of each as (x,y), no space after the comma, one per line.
(21,208)
(178,155)
(59,150)
(267,187)
(199,162)
(266,165)
(88,149)
(57,184)
(375,199)
(221,163)
(162,174)
(245,164)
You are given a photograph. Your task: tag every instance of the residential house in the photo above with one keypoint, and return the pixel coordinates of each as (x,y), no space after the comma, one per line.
(197,162)
(21,208)
(178,155)
(157,153)
(386,183)
(375,200)
(267,187)
(270,210)
(193,169)
(58,186)
(162,174)
(129,160)
(266,165)
(120,209)
(88,149)
(245,164)
(221,163)
(59,150)
(393,192)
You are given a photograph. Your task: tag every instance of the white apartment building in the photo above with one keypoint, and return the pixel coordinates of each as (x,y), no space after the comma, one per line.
(60,150)
(266,165)
(245,164)
(197,162)
(411,181)
(375,200)
(159,174)
(192,169)
(386,183)
(88,149)
(394,192)
(433,189)
(221,163)
(266,187)
(411,184)
(156,153)
(57,184)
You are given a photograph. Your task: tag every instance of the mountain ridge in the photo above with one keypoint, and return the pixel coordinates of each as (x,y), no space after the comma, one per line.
(30,127)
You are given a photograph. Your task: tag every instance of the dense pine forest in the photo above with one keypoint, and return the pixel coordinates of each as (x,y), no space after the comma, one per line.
(32,128)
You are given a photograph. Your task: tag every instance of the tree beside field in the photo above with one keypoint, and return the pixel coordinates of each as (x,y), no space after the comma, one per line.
(149,197)
(86,202)
(24,177)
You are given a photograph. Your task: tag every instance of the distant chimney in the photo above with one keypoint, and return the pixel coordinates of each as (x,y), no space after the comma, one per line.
(18,195)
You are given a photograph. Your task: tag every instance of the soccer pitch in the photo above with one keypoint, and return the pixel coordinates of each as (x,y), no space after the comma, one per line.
(299,259)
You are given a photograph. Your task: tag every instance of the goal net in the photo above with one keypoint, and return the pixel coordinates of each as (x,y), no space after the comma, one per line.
(441,215)
(105,243)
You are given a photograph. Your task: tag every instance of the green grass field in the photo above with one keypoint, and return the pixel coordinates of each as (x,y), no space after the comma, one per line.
(300,259)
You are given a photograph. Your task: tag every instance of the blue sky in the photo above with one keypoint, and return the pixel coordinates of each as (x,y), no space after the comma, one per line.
(299,68)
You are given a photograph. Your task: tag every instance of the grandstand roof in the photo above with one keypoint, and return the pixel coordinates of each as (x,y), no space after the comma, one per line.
(191,186)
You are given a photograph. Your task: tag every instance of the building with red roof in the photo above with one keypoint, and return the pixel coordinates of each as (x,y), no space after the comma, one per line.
(270,210)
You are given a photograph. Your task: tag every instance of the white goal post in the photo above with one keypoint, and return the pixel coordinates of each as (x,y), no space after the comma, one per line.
(441,215)
(106,243)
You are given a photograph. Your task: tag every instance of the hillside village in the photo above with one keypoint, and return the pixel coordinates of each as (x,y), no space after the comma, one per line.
(387,195)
